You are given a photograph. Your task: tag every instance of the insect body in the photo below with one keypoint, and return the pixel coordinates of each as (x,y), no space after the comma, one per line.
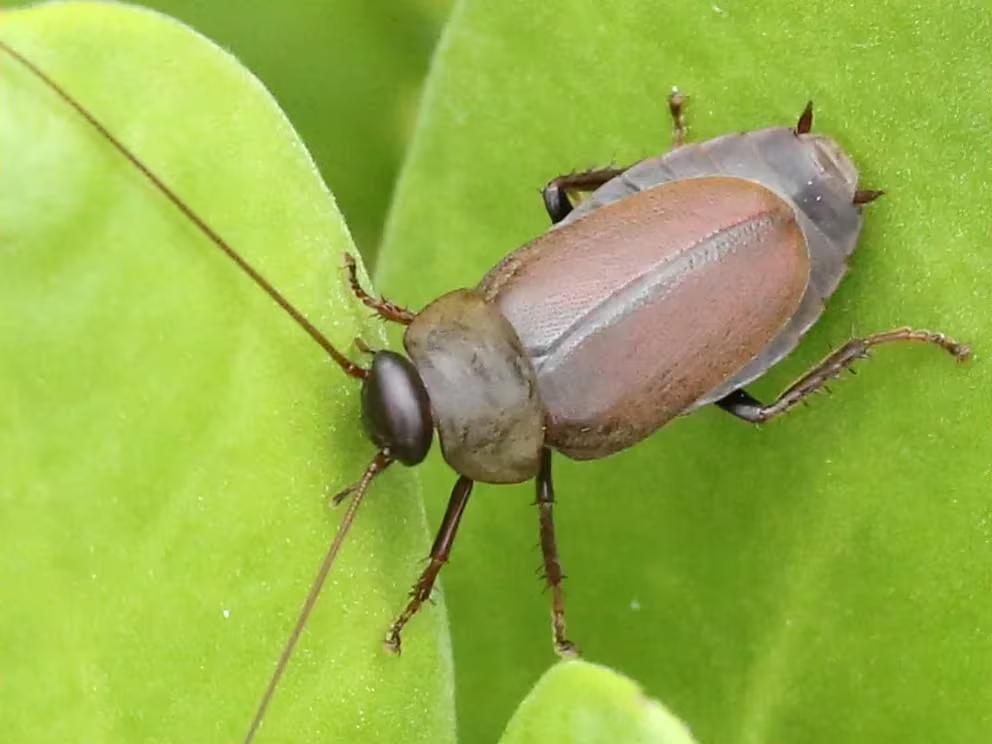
(677,282)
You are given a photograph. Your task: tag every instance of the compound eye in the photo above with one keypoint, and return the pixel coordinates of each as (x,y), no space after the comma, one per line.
(396,409)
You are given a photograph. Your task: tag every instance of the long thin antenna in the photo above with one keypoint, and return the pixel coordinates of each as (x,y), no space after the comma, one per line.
(346,364)
(357,492)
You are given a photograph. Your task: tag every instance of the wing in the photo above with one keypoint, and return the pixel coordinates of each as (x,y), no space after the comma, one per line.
(646,304)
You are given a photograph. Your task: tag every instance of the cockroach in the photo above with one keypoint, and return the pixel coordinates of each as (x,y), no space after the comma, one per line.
(677,282)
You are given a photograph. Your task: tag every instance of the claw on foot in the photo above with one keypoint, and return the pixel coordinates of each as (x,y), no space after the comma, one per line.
(566,649)
(341,495)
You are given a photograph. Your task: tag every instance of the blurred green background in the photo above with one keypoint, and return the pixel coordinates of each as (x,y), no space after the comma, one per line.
(343,71)
(823,579)
(154,551)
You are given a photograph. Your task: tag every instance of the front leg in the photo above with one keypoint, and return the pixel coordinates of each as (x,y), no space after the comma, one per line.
(741,404)
(440,551)
(384,308)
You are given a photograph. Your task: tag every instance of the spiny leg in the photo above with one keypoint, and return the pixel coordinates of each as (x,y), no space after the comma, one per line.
(556,199)
(552,567)
(556,193)
(805,123)
(383,307)
(676,107)
(440,551)
(742,405)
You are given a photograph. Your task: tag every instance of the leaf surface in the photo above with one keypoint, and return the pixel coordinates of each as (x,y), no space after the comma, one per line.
(576,702)
(822,578)
(168,435)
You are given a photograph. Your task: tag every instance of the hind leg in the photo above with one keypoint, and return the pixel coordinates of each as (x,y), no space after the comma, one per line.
(742,405)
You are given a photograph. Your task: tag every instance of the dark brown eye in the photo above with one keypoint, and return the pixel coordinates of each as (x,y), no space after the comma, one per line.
(396,408)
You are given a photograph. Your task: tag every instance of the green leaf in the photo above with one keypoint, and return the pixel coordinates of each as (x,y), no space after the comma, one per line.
(820,579)
(343,71)
(576,702)
(169,436)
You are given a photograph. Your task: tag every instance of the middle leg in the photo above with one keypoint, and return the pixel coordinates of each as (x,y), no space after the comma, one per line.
(557,200)
(549,548)
(556,193)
